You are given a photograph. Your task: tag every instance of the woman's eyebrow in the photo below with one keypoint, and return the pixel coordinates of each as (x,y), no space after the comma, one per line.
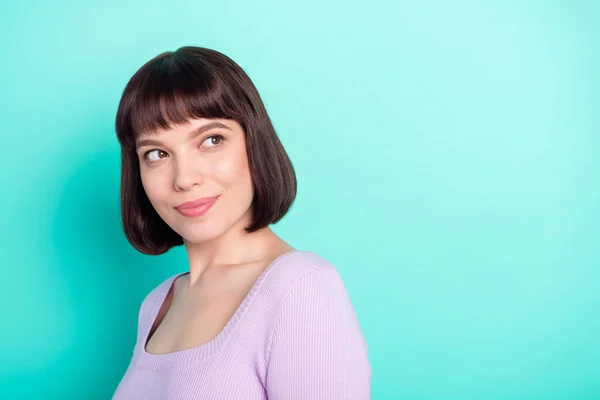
(192,134)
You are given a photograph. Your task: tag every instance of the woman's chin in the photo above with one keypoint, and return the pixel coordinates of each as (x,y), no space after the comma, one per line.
(198,234)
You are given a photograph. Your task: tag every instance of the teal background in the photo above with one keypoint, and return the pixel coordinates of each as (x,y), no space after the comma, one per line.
(448,162)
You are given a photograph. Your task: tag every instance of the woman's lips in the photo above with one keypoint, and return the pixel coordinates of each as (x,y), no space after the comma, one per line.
(198,207)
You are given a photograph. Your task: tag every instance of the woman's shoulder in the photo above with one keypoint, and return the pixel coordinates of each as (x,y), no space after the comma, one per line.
(289,270)
(296,263)
(157,292)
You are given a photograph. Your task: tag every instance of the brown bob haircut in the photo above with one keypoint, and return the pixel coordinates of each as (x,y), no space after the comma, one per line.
(196,82)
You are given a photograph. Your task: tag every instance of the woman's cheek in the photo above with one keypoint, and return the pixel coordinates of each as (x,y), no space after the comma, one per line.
(225,169)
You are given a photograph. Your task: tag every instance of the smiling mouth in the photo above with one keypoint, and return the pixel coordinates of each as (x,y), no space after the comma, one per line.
(196,209)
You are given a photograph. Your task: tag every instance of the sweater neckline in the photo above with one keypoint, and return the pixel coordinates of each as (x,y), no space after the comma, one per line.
(207,349)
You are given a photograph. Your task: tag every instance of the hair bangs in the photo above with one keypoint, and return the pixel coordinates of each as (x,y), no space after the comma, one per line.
(170,90)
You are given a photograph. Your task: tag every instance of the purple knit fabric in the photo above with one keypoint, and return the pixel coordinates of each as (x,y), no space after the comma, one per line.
(294,336)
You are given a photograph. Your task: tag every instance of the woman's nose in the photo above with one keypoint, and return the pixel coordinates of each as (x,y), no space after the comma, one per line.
(187,174)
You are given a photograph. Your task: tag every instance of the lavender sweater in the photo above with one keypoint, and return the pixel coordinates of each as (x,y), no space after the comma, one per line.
(294,336)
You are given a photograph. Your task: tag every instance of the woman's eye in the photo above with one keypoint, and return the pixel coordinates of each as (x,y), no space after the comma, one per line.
(214,140)
(158,155)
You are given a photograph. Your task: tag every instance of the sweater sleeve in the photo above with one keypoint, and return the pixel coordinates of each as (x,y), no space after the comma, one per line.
(318,350)
(143,313)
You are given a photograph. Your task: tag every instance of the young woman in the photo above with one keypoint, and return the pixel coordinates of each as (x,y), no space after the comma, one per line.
(253,318)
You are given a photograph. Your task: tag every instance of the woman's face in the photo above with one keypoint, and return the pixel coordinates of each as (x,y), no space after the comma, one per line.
(202,158)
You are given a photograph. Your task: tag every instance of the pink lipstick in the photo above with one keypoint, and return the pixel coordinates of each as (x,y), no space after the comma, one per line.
(197,207)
